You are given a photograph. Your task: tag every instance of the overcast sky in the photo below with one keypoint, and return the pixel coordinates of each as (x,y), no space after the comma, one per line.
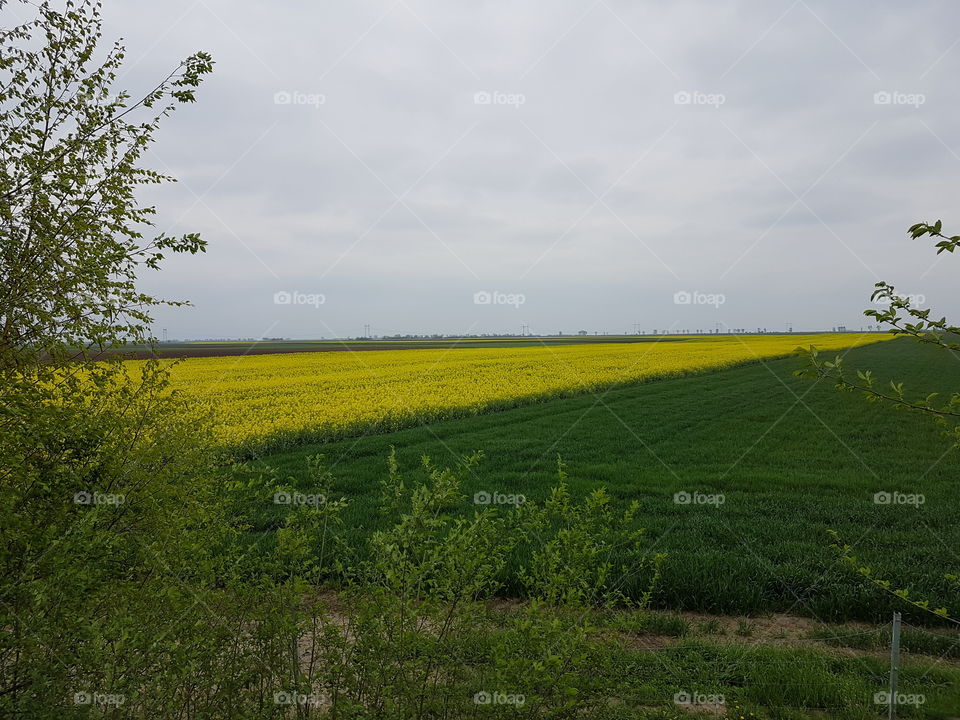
(358,162)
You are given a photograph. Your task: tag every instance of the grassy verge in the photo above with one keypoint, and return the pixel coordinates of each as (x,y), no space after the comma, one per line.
(659,666)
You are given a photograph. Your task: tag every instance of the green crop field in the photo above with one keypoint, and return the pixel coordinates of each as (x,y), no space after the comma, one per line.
(792,458)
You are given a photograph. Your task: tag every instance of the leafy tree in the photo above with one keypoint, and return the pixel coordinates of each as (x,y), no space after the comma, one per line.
(902,319)
(72,232)
(109,522)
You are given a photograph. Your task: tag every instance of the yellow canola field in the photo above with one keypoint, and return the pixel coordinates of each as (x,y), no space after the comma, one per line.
(277,400)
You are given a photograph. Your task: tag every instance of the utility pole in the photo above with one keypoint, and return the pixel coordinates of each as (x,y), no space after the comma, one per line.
(636,328)
(366,330)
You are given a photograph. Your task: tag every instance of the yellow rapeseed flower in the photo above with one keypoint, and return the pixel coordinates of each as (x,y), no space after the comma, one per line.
(284,398)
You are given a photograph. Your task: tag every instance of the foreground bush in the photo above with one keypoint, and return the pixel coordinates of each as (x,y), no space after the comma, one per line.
(132,587)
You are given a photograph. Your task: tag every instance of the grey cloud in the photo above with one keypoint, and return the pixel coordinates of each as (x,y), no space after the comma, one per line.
(505,191)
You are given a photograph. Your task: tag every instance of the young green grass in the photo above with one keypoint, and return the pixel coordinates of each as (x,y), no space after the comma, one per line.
(791,458)
(941,644)
(771,682)
(731,677)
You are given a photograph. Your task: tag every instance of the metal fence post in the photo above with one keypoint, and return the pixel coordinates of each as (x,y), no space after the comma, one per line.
(894,665)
